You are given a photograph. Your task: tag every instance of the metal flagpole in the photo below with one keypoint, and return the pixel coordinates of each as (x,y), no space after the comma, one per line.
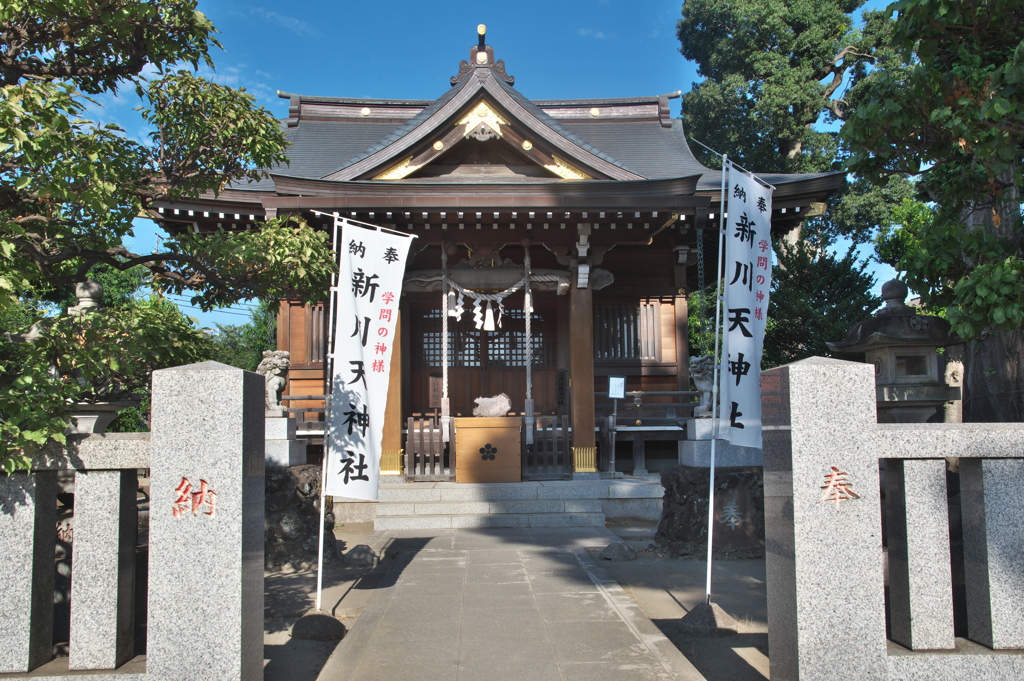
(714,387)
(327,417)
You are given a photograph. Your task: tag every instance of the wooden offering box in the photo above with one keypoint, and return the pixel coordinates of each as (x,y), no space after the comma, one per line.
(487,449)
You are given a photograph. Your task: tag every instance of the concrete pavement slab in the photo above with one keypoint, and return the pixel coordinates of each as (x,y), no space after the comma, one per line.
(500,604)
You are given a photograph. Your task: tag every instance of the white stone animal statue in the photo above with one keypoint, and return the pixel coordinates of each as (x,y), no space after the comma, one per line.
(274,368)
(499,405)
(702,371)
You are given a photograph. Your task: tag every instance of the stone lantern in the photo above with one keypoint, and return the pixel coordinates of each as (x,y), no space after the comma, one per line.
(909,376)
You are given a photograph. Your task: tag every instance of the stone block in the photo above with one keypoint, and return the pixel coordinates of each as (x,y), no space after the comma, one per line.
(992,506)
(696,451)
(584,506)
(437,522)
(647,510)
(206,524)
(406,493)
(279,428)
(618,551)
(354,511)
(503,520)
(825,580)
(636,490)
(107,451)
(103,589)
(28,515)
(395,508)
(535,506)
(828,552)
(451,507)
(572,491)
(567,520)
(285,453)
(488,493)
(920,580)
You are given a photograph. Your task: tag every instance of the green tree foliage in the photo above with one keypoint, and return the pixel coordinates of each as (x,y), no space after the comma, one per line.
(954,117)
(816,297)
(772,70)
(242,345)
(701,324)
(70,188)
(100,356)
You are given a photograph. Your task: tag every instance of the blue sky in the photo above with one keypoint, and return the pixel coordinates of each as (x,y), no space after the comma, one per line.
(406,49)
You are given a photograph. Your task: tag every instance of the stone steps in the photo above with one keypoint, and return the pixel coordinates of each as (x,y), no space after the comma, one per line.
(441,505)
(470,520)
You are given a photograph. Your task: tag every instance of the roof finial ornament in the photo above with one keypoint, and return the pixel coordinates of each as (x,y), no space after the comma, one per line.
(481,55)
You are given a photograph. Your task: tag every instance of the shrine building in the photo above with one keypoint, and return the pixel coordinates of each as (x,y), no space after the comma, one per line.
(599,201)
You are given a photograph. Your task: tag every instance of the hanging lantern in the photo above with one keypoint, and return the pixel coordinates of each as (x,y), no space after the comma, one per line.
(489,318)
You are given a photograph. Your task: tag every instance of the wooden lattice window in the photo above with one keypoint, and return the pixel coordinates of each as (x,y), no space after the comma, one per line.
(471,347)
(627,331)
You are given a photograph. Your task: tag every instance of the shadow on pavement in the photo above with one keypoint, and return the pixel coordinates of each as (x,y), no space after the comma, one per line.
(741,657)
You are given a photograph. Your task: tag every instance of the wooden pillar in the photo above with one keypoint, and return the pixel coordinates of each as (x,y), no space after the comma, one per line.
(682,316)
(581,359)
(391,445)
(682,319)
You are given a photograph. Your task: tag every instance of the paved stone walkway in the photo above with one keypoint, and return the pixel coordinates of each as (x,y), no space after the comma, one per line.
(497,604)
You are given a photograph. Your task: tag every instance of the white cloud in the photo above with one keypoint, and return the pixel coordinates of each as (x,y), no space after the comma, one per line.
(594,33)
(296,26)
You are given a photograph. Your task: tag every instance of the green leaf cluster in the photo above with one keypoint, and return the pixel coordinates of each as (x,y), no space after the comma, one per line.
(772,72)
(816,297)
(105,354)
(70,189)
(954,117)
(242,345)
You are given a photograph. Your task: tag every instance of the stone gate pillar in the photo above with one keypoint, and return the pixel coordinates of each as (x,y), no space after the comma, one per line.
(206,524)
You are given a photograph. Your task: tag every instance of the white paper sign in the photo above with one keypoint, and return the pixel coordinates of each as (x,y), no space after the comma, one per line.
(616,387)
(370,273)
(748,278)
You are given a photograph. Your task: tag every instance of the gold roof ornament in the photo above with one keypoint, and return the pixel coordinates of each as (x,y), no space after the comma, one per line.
(482,114)
(566,171)
(398,172)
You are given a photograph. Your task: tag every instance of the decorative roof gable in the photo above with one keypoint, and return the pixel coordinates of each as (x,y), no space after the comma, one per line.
(483,107)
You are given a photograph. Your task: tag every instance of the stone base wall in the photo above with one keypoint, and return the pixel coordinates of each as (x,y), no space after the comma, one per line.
(291,519)
(739,512)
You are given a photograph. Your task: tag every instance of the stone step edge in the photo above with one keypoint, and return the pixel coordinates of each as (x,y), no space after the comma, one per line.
(456,521)
(517,506)
(393,494)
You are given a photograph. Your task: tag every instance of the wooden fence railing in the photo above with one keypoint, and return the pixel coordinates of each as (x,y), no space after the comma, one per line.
(426,452)
(548,457)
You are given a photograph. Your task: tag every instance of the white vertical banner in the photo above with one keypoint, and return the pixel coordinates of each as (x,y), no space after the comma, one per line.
(748,278)
(371,268)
